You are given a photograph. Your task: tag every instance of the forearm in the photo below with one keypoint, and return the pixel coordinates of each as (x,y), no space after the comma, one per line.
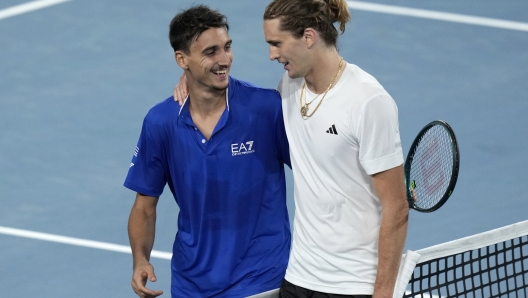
(393,231)
(390,188)
(141,232)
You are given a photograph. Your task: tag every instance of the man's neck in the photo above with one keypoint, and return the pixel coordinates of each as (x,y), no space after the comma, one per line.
(324,69)
(206,108)
(206,103)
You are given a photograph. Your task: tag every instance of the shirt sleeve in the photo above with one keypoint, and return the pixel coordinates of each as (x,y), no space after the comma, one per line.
(379,135)
(146,174)
(282,141)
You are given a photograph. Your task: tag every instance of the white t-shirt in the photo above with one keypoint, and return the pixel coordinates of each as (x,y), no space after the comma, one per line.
(353,134)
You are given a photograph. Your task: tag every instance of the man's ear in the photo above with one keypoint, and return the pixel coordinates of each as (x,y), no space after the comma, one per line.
(310,36)
(181,59)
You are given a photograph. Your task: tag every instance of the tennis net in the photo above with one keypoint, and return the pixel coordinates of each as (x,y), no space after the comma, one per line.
(490,264)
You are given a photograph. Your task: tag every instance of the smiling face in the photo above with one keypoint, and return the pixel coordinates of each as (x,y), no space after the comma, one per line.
(286,49)
(209,60)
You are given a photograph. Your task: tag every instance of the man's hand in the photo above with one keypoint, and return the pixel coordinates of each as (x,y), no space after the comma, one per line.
(181,91)
(142,272)
(141,232)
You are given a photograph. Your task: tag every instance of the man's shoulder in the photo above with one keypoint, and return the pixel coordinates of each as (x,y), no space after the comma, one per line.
(362,85)
(246,86)
(361,78)
(244,90)
(162,111)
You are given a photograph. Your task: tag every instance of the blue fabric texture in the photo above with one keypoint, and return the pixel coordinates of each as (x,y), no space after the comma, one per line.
(233,236)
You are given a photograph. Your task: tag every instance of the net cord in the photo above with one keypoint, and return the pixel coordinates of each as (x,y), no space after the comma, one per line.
(474,242)
(412,258)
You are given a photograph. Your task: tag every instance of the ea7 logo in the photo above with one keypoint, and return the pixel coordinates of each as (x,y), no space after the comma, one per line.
(242,148)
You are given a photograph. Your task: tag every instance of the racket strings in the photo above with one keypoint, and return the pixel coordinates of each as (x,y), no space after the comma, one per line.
(432,166)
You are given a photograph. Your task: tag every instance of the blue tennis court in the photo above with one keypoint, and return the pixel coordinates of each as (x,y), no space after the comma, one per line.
(77,78)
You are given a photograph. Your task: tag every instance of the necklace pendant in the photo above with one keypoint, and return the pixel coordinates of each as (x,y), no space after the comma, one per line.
(304,110)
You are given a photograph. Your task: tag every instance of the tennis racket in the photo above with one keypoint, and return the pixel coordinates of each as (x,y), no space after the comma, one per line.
(431,167)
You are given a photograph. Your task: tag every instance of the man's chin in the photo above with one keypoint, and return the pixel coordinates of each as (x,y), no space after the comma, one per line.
(221,87)
(294,75)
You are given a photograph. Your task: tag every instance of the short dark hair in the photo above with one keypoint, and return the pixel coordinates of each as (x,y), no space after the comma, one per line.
(188,25)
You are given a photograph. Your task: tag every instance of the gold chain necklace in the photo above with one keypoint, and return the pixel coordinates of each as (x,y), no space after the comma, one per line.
(305,107)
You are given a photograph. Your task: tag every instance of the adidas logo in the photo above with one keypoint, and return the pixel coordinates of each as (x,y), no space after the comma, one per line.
(332,130)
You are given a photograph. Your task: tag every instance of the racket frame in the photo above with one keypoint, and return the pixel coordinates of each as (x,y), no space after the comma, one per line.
(454,172)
